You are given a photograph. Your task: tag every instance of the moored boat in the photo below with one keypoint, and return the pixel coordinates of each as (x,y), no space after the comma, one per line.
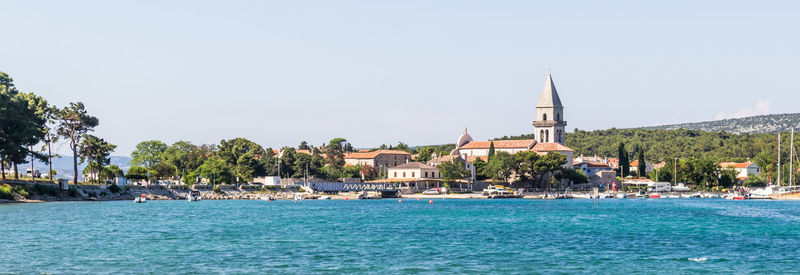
(140,199)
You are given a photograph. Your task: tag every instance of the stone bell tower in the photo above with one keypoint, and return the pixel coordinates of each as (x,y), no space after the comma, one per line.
(549,124)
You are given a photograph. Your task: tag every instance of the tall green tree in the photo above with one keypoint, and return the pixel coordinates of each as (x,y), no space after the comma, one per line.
(491,151)
(97,151)
(335,152)
(215,170)
(74,123)
(186,157)
(624,162)
(642,164)
(303,146)
(148,153)
(452,171)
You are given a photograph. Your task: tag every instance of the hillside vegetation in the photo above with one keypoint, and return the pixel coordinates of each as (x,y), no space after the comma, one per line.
(752,125)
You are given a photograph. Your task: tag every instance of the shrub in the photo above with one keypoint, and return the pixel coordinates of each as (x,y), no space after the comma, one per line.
(44,189)
(217,189)
(5,192)
(21,191)
(73,192)
(114,188)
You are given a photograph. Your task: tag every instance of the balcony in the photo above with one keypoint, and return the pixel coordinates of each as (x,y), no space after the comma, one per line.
(549,123)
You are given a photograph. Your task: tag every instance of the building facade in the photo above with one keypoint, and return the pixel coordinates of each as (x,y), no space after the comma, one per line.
(379,158)
(414,171)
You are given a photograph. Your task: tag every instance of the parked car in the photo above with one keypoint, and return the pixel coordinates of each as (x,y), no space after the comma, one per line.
(432,191)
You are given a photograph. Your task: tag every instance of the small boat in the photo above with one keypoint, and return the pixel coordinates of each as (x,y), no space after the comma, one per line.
(654,196)
(194,196)
(622,195)
(324,198)
(141,199)
(673,196)
(298,197)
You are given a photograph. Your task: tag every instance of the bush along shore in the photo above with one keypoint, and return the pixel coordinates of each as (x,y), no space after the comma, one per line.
(22,191)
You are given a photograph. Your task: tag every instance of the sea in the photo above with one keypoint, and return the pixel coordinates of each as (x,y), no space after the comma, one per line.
(401,236)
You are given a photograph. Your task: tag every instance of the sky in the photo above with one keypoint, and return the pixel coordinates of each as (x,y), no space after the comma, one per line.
(375,72)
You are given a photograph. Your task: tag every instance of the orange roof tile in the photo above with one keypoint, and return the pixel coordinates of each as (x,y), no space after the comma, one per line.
(473,158)
(735,164)
(550,146)
(504,144)
(372,155)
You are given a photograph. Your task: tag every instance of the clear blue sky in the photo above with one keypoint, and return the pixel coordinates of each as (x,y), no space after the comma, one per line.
(381,72)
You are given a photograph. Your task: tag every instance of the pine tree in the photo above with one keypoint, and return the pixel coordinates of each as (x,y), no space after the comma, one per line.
(624,162)
(491,150)
(642,165)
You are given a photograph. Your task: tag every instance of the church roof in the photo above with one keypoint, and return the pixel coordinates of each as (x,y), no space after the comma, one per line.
(504,144)
(549,97)
(551,146)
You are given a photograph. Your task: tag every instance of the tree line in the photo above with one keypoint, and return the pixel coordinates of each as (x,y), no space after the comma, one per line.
(27,121)
(239,160)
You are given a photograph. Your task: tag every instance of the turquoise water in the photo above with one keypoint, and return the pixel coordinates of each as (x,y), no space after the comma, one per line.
(384,236)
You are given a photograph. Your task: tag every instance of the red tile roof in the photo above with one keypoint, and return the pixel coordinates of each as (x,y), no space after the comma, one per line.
(504,144)
(735,164)
(473,158)
(550,146)
(373,154)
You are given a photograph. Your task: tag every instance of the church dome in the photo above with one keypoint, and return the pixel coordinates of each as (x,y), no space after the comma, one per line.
(463,139)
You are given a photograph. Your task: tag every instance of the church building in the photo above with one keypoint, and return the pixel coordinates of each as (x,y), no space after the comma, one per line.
(549,134)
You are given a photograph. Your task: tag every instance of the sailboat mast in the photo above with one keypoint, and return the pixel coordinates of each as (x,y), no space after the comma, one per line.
(779,159)
(791,160)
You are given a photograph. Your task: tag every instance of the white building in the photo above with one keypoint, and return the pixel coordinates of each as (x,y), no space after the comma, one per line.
(415,171)
(743,169)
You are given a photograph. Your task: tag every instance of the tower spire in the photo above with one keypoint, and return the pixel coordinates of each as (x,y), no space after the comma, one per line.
(549,97)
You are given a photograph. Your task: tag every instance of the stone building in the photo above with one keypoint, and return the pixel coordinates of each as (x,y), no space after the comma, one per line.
(378,159)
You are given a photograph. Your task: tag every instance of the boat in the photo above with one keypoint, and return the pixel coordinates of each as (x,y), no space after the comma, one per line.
(654,196)
(194,195)
(140,199)
(324,198)
(298,197)
(673,196)
(622,195)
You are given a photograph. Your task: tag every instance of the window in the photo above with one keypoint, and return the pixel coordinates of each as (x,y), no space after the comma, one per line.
(544,117)
(558,117)
(541,135)
(546,135)
(395,174)
(412,174)
(404,174)
(426,174)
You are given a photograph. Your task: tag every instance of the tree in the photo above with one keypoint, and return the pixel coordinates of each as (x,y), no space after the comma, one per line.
(74,123)
(148,153)
(335,152)
(480,169)
(452,171)
(425,154)
(22,124)
(491,151)
(242,156)
(624,163)
(162,170)
(501,166)
(247,166)
(642,164)
(367,172)
(216,170)
(96,150)
(136,173)
(402,146)
(303,146)
(186,157)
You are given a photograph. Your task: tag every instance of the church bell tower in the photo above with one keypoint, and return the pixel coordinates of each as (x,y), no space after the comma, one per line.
(549,124)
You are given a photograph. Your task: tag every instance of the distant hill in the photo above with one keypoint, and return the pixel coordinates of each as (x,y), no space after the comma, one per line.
(63,166)
(751,125)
